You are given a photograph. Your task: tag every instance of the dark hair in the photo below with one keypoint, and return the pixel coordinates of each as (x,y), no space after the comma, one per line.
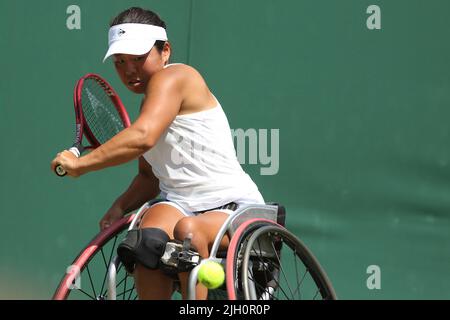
(139,15)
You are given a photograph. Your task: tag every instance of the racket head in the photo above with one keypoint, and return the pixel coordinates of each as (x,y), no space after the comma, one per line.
(102,113)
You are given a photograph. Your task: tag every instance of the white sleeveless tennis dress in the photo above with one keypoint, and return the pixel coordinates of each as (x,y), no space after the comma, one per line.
(196,164)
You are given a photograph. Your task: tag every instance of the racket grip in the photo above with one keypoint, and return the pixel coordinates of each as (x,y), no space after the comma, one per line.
(59,170)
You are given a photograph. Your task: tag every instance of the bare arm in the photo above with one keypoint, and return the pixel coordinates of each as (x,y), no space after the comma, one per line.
(161,105)
(144,187)
(159,108)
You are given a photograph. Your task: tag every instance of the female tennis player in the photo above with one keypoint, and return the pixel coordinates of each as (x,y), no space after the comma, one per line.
(184,146)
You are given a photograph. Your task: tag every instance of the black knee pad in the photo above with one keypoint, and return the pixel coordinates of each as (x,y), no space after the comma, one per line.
(144,246)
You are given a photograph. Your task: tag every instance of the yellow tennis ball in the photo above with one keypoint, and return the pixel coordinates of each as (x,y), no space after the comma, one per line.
(211,274)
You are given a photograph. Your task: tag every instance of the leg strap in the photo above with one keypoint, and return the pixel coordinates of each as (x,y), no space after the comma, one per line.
(144,246)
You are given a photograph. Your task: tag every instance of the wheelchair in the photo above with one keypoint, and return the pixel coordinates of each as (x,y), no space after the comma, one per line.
(264,261)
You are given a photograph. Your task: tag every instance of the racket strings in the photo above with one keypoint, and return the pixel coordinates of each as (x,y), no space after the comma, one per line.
(100,112)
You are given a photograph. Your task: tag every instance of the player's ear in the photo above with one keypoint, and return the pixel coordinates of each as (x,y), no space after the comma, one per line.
(167,50)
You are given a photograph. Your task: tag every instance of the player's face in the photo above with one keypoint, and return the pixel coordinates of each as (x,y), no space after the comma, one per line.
(136,71)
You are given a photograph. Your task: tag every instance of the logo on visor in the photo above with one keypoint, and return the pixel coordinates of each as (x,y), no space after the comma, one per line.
(121,32)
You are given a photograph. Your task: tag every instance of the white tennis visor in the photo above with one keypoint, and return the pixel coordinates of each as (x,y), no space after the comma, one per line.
(133,38)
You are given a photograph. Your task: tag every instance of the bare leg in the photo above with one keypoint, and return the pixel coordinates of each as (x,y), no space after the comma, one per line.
(204,229)
(152,284)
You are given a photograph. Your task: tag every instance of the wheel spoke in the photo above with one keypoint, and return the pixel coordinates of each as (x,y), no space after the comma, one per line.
(93,298)
(107,264)
(278,287)
(318,291)
(262,260)
(262,289)
(302,278)
(122,281)
(106,273)
(125,287)
(96,261)
(272,265)
(281,269)
(90,280)
(301,281)
(131,291)
(296,274)
(104,258)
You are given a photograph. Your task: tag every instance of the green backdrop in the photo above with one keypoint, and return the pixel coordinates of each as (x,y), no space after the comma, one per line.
(362,117)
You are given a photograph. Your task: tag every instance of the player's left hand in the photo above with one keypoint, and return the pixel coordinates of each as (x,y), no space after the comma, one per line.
(69,162)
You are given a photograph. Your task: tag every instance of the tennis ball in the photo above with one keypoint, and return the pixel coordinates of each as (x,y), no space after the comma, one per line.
(211,274)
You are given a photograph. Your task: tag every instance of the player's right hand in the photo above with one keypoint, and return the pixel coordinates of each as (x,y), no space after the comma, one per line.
(68,161)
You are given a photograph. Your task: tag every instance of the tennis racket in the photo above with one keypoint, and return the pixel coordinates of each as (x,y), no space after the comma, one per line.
(99,115)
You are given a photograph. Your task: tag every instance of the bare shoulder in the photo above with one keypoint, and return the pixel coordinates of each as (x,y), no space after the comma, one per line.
(193,89)
(179,75)
(180,70)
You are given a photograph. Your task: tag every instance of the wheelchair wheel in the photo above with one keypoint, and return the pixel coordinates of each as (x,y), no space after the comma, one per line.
(272,264)
(86,277)
(234,256)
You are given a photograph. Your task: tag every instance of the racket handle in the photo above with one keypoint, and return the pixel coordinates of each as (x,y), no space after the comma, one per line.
(59,170)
